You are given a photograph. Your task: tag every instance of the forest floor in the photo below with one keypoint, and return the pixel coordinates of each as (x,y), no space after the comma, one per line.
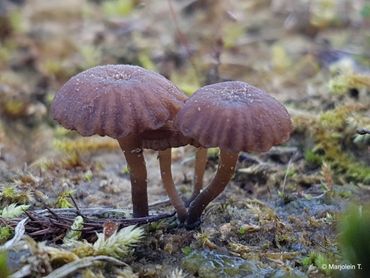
(298,210)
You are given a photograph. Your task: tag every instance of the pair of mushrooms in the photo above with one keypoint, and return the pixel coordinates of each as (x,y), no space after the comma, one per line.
(142,109)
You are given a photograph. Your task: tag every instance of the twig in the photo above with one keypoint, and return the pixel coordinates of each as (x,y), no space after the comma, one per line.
(53,214)
(160,203)
(76,206)
(30,216)
(51,224)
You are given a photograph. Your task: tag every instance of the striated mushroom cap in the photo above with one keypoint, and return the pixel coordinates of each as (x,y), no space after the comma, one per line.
(234,116)
(116,100)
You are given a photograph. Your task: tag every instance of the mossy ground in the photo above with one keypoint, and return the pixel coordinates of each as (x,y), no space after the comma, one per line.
(279,216)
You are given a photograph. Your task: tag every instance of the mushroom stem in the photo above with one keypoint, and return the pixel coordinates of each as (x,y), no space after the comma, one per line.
(166,174)
(224,173)
(130,146)
(200,166)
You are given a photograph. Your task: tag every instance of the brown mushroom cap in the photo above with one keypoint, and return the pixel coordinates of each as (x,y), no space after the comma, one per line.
(116,100)
(234,116)
(165,137)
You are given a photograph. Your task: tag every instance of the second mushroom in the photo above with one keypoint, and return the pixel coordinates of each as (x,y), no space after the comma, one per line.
(233,116)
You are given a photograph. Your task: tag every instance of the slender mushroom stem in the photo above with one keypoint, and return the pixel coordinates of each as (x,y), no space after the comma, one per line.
(224,173)
(131,147)
(166,174)
(200,166)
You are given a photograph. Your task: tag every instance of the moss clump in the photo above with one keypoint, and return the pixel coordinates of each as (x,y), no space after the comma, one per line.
(6,233)
(319,260)
(312,159)
(63,199)
(10,195)
(330,130)
(342,83)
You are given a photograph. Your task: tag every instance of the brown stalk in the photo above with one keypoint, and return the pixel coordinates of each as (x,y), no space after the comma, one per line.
(224,173)
(131,147)
(200,166)
(166,174)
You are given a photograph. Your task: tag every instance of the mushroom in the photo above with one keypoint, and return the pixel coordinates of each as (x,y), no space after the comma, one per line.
(233,116)
(134,106)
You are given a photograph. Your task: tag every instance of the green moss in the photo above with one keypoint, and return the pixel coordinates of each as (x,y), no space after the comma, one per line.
(6,233)
(186,250)
(329,131)
(340,84)
(4,270)
(312,159)
(354,240)
(125,170)
(317,259)
(88,176)
(63,200)
(10,195)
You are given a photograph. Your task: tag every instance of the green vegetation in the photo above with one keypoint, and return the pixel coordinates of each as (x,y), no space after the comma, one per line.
(354,238)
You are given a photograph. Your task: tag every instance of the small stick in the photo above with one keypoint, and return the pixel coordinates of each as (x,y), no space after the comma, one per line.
(30,216)
(76,206)
(53,213)
(160,203)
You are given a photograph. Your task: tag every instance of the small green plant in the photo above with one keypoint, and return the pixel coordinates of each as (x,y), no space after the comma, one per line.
(119,245)
(312,159)
(4,270)
(329,131)
(317,259)
(10,195)
(13,210)
(6,233)
(355,241)
(63,200)
(88,176)
(187,250)
(76,230)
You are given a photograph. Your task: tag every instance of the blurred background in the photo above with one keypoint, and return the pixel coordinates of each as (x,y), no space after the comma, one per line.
(310,54)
